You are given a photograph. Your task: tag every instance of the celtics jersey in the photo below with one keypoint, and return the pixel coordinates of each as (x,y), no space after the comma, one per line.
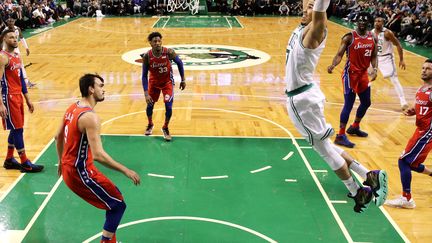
(385,47)
(300,61)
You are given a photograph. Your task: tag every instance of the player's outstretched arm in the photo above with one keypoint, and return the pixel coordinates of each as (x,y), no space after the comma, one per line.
(317,29)
(346,40)
(390,36)
(89,123)
(173,56)
(60,139)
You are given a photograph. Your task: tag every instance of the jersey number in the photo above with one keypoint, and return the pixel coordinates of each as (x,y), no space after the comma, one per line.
(368,53)
(66,130)
(423,110)
(163,69)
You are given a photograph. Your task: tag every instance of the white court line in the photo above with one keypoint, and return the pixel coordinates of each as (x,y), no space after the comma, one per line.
(305,147)
(213,177)
(389,218)
(339,201)
(305,161)
(230,26)
(207,94)
(291,180)
(23,174)
(163,27)
(320,171)
(41,193)
(248,230)
(238,21)
(161,176)
(288,155)
(260,169)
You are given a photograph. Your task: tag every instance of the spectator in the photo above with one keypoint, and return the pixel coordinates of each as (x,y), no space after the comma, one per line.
(283,9)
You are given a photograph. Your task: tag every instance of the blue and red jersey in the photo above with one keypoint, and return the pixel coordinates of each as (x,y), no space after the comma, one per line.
(12,81)
(160,69)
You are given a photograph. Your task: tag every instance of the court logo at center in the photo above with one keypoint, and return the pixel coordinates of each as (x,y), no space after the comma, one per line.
(208,57)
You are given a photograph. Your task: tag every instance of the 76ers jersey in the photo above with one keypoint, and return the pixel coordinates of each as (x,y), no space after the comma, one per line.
(359,52)
(76,150)
(11,81)
(423,108)
(160,69)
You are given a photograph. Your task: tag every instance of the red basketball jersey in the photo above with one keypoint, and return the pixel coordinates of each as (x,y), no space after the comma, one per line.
(11,80)
(76,149)
(423,108)
(359,52)
(160,69)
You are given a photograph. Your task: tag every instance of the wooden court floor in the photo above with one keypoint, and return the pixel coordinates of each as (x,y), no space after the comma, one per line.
(223,102)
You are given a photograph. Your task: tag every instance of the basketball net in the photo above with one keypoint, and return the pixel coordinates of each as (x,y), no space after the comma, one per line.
(192,5)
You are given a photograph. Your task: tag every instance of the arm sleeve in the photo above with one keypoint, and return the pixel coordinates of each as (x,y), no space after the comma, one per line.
(23,41)
(144,78)
(23,84)
(179,63)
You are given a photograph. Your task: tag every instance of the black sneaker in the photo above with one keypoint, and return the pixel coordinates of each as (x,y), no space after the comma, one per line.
(149,129)
(166,134)
(11,164)
(29,167)
(356,131)
(377,181)
(361,199)
(343,140)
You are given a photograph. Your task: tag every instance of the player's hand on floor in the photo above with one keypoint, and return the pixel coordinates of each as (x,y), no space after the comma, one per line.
(182,85)
(133,176)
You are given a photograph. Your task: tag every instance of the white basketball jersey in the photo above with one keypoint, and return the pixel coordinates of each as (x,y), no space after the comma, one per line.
(300,61)
(385,47)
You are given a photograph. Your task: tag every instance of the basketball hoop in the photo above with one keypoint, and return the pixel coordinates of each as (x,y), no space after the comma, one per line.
(192,5)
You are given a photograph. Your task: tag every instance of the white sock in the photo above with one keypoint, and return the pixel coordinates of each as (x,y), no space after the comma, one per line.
(359,169)
(351,185)
(398,89)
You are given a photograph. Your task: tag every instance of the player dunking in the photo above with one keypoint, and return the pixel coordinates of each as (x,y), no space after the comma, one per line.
(420,144)
(386,59)
(13,88)
(361,53)
(306,106)
(78,144)
(157,61)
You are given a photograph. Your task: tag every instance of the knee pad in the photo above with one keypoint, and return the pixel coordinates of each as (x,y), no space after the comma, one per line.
(329,154)
(420,168)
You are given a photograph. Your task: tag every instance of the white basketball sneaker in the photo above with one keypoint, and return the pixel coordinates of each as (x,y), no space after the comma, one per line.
(401,202)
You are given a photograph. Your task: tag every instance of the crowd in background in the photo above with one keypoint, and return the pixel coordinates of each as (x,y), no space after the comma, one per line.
(410,20)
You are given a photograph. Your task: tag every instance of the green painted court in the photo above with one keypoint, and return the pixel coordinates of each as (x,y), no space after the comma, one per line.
(198,22)
(200,189)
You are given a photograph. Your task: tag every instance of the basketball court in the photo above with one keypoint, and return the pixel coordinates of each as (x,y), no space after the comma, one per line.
(236,170)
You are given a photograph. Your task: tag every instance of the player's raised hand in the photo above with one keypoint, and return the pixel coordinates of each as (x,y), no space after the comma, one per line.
(133,176)
(182,85)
